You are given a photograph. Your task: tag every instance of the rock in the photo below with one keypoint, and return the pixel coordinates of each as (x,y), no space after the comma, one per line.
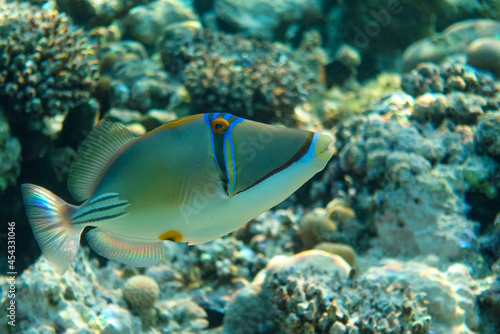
(264,17)
(93,13)
(116,320)
(484,53)
(146,23)
(453,40)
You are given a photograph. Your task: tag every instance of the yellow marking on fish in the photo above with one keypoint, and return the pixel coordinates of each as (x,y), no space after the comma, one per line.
(171,235)
(178,122)
(170,125)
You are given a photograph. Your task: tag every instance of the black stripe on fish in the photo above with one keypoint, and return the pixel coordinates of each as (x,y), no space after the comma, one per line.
(300,153)
(99,209)
(93,220)
(103,197)
(105,206)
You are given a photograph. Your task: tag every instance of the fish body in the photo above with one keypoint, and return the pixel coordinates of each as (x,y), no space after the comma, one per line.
(192,180)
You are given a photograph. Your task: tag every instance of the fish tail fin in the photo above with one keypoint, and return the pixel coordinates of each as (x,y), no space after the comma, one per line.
(50,220)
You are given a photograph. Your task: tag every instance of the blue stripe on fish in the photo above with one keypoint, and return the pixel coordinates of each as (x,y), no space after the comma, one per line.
(310,153)
(208,121)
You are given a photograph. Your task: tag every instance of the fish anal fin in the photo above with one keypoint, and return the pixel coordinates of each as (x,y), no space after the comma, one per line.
(138,253)
(96,151)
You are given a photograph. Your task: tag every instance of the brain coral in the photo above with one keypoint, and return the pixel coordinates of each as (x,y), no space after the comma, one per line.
(47,66)
(141,292)
(252,78)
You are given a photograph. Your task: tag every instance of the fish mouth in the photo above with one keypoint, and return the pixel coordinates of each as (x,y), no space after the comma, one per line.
(322,149)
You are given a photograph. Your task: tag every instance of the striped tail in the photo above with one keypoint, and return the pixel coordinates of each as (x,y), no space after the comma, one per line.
(49,217)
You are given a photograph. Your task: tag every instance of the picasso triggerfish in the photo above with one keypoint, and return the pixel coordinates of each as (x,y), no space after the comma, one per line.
(191,180)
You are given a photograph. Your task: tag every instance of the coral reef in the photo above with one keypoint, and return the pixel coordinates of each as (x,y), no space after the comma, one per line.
(451,295)
(48,66)
(251,309)
(430,78)
(408,179)
(132,80)
(92,13)
(223,260)
(272,233)
(486,135)
(303,295)
(254,79)
(399,234)
(334,306)
(60,303)
(88,299)
(423,216)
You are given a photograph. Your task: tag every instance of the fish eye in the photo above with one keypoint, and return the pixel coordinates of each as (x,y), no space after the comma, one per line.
(219,126)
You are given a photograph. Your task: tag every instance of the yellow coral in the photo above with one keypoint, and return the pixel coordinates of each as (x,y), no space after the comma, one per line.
(339,211)
(315,226)
(343,250)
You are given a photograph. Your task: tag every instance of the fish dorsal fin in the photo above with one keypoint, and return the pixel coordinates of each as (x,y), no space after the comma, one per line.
(94,154)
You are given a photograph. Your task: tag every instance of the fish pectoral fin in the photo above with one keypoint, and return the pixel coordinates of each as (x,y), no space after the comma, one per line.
(138,253)
(104,207)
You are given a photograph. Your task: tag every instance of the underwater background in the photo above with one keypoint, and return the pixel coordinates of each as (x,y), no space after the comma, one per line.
(400,233)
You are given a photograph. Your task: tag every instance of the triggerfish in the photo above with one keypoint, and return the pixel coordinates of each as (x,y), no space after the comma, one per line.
(191,180)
